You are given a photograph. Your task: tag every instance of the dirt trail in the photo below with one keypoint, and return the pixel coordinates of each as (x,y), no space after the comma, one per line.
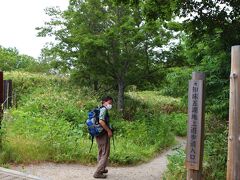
(152,170)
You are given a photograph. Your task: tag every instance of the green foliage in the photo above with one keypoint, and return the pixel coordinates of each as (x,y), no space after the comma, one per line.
(210,33)
(210,57)
(107,44)
(176,166)
(215,158)
(49,123)
(8,58)
(178,123)
(123,39)
(176,83)
(145,134)
(152,105)
(215,153)
(11,60)
(157,102)
(24,82)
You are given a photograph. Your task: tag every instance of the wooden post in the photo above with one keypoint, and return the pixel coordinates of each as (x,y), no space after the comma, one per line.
(5,94)
(1,107)
(10,94)
(233,163)
(1,96)
(196,118)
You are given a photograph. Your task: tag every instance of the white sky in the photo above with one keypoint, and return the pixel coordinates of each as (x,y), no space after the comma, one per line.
(18,20)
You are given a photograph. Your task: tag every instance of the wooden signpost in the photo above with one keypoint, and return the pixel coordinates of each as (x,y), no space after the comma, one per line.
(233,163)
(196,108)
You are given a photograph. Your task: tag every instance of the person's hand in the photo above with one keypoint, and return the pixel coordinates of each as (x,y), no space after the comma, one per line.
(110,134)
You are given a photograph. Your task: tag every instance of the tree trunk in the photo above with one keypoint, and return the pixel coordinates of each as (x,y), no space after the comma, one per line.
(95,85)
(120,103)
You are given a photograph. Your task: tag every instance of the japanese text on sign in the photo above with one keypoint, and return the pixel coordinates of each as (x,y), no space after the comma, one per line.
(194,123)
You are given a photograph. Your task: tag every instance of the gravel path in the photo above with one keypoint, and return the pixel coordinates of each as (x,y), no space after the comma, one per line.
(148,171)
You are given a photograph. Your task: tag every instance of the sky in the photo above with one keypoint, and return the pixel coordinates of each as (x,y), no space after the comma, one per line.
(18,20)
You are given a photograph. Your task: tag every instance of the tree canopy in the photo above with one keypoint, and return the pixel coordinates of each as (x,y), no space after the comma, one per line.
(114,43)
(105,43)
(10,60)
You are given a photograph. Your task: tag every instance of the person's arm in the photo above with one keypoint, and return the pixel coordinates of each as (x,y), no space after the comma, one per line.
(103,124)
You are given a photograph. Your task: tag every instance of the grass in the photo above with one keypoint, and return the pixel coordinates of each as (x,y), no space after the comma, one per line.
(158,102)
(176,167)
(48,124)
(215,153)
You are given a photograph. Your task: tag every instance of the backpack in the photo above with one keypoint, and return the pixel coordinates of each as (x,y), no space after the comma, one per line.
(94,128)
(93,125)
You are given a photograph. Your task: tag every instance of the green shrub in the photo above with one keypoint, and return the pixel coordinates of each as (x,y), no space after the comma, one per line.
(176,82)
(215,153)
(215,148)
(176,166)
(157,102)
(178,123)
(51,117)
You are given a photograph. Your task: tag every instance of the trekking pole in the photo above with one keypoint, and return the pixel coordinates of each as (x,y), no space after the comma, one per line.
(113,142)
(91,144)
(113,139)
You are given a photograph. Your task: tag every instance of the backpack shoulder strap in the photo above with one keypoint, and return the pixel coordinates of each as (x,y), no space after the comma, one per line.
(105,108)
(102,107)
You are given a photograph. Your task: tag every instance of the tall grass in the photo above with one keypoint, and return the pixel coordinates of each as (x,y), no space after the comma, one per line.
(215,153)
(49,123)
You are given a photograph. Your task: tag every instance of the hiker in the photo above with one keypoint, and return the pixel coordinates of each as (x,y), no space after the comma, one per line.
(103,140)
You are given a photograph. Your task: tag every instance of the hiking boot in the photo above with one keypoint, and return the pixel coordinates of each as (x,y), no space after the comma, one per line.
(104,171)
(101,176)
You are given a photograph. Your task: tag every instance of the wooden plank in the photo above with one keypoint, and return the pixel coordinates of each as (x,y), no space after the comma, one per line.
(10,93)
(196,110)
(194,124)
(5,93)
(1,105)
(233,163)
(1,94)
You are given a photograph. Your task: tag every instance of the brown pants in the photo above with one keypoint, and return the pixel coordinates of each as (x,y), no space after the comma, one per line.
(103,142)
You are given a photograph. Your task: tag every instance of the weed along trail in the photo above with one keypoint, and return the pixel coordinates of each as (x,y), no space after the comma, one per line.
(148,171)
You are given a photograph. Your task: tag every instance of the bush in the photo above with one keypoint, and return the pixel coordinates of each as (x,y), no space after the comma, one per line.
(176,166)
(215,153)
(50,118)
(176,82)
(215,157)
(178,123)
(140,140)
(157,102)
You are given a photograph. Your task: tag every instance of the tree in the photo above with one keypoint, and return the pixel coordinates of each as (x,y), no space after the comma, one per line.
(106,42)
(212,28)
(209,29)
(10,60)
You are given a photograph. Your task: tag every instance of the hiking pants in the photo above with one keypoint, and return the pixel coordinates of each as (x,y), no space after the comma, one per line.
(103,142)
